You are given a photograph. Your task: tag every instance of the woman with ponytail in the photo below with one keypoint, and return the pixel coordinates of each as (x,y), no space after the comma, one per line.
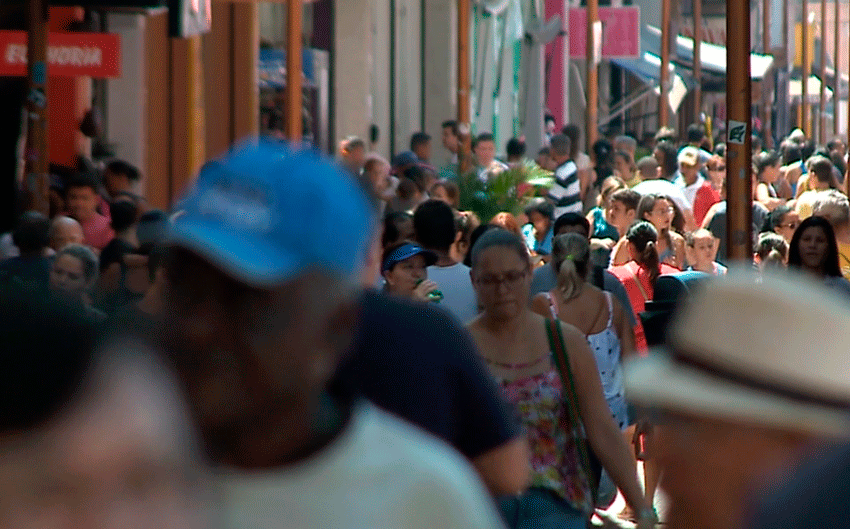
(595,313)
(639,275)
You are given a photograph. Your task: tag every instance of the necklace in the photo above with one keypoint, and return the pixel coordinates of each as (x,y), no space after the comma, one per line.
(524,365)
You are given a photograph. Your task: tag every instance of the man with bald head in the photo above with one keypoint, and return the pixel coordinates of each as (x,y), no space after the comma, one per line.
(65,231)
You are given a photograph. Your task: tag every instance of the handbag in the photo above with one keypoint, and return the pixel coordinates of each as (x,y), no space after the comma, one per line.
(590,464)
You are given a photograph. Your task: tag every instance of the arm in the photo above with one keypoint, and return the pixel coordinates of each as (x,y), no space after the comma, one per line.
(541,305)
(706,222)
(620,253)
(606,439)
(505,469)
(625,331)
(763,196)
(679,250)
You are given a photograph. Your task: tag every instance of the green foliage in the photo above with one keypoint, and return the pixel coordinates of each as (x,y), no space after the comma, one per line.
(506,191)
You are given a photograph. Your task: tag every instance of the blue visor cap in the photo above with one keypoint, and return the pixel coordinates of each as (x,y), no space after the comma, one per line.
(406,252)
(265,213)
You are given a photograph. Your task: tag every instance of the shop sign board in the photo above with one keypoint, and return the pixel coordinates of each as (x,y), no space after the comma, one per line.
(68,54)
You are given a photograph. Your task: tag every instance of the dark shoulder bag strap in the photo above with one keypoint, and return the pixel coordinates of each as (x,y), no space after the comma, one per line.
(562,362)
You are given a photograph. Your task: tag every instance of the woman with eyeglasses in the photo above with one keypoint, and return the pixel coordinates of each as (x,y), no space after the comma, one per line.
(783,221)
(660,212)
(515,344)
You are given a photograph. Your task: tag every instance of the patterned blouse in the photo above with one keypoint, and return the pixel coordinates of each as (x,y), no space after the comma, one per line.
(554,456)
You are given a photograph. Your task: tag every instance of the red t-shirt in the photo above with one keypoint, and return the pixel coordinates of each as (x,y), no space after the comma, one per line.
(636,282)
(96,232)
(705,198)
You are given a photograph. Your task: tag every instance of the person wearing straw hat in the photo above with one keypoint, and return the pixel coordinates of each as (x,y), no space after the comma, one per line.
(743,404)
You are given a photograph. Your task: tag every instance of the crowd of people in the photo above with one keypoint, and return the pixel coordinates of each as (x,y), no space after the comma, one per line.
(303,342)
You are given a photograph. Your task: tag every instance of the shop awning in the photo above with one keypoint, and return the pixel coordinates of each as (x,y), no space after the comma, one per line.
(795,90)
(712,56)
(647,68)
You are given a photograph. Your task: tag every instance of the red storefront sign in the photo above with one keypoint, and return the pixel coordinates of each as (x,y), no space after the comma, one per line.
(620,32)
(68,54)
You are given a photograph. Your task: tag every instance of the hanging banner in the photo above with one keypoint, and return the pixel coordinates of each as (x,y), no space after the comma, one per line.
(68,54)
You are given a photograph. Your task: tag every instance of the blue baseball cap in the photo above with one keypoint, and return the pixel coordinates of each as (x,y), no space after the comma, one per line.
(406,251)
(267,212)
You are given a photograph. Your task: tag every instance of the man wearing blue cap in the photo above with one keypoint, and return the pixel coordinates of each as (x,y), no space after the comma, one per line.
(262,305)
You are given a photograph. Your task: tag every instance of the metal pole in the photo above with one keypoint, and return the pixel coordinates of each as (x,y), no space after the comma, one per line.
(591,111)
(294,127)
(836,90)
(697,60)
(822,75)
(806,65)
(765,86)
(739,193)
(36,181)
(664,75)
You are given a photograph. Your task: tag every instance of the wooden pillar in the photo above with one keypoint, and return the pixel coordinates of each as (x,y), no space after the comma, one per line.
(592,109)
(245,48)
(765,85)
(294,126)
(739,192)
(822,75)
(188,145)
(836,94)
(36,157)
(698,59)
(664,75)
(806,67)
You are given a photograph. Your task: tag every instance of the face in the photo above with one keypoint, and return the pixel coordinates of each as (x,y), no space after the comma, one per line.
(621,165)
(379,176)
(620,217)
(661,215)
(485,152)
(789,225)
(66,233)
(423,151)
(82,203)
(540,222)
(406,275)
(689,172)
(115,182)
(770,173)
(121,458)
(711,467)
(718,175)
(439,193)
(546,162)
(813,247)
(450,141)
(67,275)
(704,250)
(502,280)
(245,354)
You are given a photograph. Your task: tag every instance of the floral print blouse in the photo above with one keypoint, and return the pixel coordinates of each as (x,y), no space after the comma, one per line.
(555,463)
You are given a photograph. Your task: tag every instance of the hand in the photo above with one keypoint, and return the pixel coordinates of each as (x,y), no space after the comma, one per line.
(646,518)
(602,244)
(423,289)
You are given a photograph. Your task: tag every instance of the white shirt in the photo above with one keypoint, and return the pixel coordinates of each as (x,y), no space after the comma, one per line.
(666,188)
(690,191)
(458,296)
(381,473)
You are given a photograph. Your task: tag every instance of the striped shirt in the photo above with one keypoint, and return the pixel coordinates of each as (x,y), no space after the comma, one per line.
(566,191)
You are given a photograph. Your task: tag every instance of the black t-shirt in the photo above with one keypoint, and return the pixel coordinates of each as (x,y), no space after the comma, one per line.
(418,362)
(114,252)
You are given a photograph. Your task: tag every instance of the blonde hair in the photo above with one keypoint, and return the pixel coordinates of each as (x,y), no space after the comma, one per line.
(572,268)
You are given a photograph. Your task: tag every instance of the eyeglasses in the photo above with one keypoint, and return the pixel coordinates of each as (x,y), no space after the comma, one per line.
(510,278)
(670,210)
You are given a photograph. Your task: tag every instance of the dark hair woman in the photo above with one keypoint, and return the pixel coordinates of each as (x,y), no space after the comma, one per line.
(515,344)
(814,250)
(639,275)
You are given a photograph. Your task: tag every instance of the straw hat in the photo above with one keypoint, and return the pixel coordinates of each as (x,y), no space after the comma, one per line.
(773,354)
